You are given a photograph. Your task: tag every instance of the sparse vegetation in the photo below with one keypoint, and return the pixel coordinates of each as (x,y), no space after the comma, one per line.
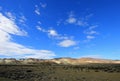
(55,72)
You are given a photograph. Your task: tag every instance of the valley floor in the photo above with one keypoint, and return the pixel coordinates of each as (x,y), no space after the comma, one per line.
(49,72)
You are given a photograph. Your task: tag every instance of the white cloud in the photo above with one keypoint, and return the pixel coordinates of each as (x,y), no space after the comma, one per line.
(90,37)
(81,23)
(39,22)
(41,29)
(67,43)
(10,48)
(52,32)
(43,5)
(22,19)
(88,16)
(9,27)
(91,33)
(37,10)
(93,27)
(71,20)
(59,22)
(10,16)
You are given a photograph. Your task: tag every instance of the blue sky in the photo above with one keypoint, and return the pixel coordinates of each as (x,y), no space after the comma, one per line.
(60,28)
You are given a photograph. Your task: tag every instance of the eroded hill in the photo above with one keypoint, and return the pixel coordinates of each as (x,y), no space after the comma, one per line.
(67,61)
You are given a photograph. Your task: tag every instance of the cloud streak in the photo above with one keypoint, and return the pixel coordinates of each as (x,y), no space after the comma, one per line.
(52,33)
(72,19)
(67,43)
(43,5)
(90,33)
(64,41)
(9,48)
(37,10)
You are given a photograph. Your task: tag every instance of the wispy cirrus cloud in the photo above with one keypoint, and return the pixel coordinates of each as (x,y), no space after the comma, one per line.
(91,32)
(50,32)
(73,19)
(82,23)
(64,41)
(22,19)
(39,22)
(37,10)
(10,16)
(67,43)
(40,29)
(9,48)
(89,37)
(43,5)
(59,22)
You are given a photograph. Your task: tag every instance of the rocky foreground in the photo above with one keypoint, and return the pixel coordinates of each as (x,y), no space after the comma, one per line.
(65,61)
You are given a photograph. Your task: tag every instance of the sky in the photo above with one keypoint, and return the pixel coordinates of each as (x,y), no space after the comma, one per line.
(48,29)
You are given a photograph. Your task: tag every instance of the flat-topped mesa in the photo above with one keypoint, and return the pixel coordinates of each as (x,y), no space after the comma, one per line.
(65,61)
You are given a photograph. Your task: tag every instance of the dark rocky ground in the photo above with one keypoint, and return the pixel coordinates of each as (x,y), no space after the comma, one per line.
(54,72)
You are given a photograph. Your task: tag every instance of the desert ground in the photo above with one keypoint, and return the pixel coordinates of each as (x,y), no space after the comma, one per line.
(59,72)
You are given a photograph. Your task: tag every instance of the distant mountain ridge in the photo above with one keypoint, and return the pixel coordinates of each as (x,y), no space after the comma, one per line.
(65,61)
